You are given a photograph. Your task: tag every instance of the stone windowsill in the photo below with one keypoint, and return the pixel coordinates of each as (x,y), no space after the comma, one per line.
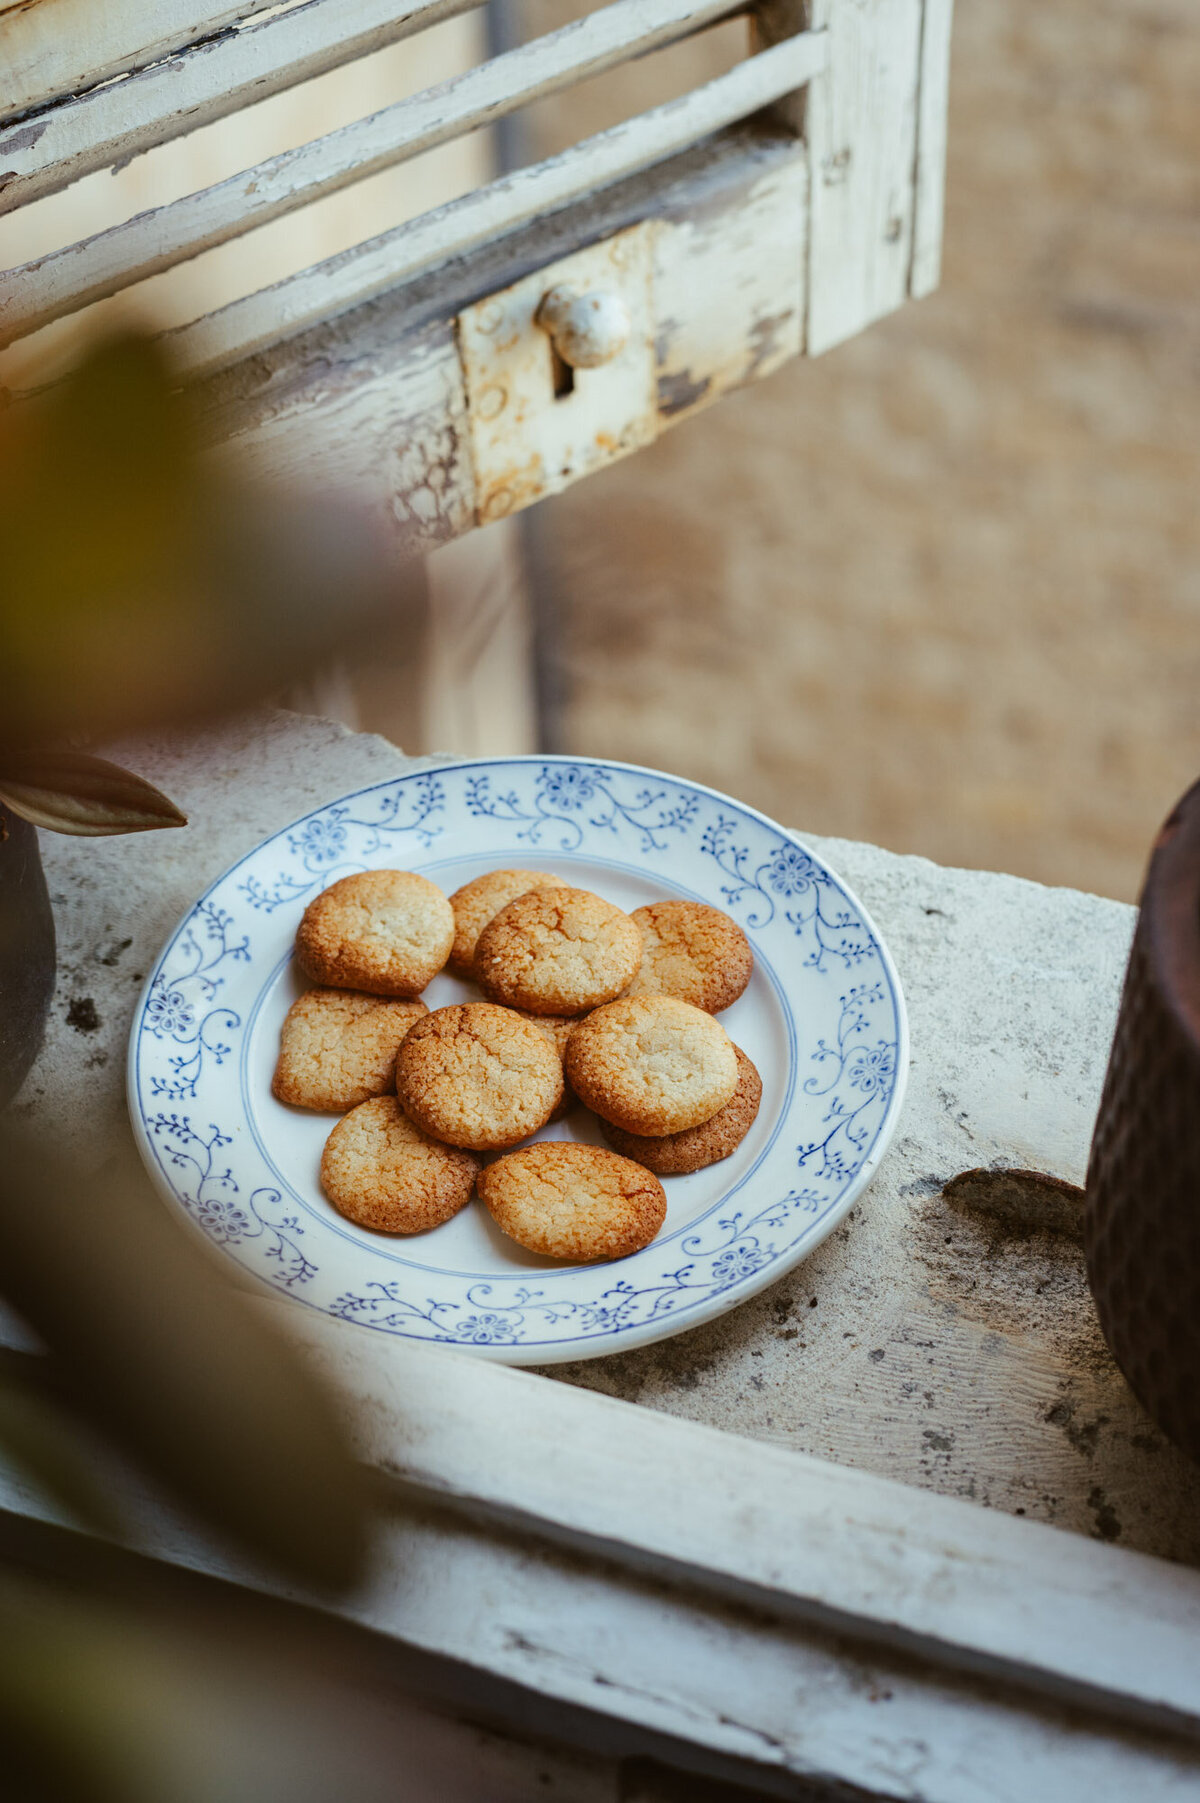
(949,1344)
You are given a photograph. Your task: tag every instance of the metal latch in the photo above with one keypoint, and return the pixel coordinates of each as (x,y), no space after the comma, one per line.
(559,372)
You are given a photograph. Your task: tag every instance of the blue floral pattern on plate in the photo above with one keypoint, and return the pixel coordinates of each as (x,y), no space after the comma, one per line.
(828,1027)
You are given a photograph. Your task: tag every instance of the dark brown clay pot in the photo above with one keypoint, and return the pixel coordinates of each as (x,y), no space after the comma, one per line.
(26,952)
(1142,1232)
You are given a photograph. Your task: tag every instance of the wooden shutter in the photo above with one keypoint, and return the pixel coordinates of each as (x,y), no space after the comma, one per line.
(778,208)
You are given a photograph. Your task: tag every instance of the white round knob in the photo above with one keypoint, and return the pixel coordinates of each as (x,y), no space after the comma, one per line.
(586,329)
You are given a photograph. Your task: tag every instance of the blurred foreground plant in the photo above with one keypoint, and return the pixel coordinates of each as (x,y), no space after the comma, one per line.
(143,585)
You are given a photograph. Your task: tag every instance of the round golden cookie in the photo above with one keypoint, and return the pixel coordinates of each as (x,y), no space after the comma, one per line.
(380,1171)
(557,1028)
(675,1154)
(573,1202)
(693,952)
(338,1047)
(557,951)
(651,1064)
(478,1076)
(386,931)
(481,900)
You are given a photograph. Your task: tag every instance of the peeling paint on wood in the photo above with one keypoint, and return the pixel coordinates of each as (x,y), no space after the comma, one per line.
(680,391)
(211,79)
(528,438)
(338,400)
(22,139)
(96,267)
(356,275)
(861,127)
(54,48)
(729,286)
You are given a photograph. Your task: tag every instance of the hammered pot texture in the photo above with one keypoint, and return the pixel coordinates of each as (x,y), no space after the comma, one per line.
(1142,1233)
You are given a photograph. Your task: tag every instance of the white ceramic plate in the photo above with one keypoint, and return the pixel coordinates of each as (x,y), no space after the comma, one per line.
(823,1019)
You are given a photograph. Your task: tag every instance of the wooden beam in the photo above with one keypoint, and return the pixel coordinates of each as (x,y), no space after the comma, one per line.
(820,1624)
(247,326)
(374,401)
(60,283)
(49,150)
(861,127)
(846,1551)
(52,48)
(926,268)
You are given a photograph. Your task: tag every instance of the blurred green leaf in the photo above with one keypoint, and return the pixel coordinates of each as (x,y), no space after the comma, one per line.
(70,792)
(165,1355)
(45,1443)
(145,583)
(77,1698)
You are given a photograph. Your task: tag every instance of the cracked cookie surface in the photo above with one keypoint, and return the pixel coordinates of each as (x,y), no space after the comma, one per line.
(481,900)
(557,951)
(338,1048)
(693,952)
(651,1064)
(573,1202)
(380,1171)
(675,1154)
(386,931)
(478,1076)
(557,1028)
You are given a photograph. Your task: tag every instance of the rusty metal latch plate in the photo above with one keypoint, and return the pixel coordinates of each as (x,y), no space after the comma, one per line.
(528,440)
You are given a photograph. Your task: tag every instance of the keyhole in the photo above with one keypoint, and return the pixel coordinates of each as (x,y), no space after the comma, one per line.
(562,375)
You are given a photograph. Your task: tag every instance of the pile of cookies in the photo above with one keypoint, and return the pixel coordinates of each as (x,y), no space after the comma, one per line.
(583,1002)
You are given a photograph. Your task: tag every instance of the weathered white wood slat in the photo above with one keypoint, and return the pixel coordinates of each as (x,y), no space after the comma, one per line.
(729,299)
(206,82)
(789,1704)
(50,48)
(66,280)
(375,401)
(799,1708)
(861,127)
(671,1577)
(926,267)
(274,313)
(847,1551)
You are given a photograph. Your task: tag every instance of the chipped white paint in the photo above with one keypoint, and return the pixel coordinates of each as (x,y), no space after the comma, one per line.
(826,238)
(729,284)
(392,429)
(837,236)
(527,440)
(342,282)
(61,283)
(381,404)
(861,126)
(930,181)
(52,48)
(208,81)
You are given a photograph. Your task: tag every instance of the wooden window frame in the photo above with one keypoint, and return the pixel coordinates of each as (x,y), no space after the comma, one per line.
(780,1617)
(814,168)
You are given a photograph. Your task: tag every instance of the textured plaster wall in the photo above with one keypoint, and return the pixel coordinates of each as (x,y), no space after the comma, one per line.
(940,589)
